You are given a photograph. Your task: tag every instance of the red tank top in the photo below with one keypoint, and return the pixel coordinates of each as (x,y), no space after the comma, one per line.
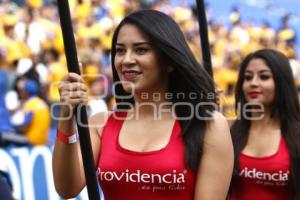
(264,178)
(154,175)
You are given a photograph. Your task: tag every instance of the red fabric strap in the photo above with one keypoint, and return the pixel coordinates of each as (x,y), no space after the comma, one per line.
(66,138)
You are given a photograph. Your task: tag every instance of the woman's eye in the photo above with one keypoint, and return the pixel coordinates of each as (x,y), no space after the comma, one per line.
(120,51)
(264,77)
(248,77)
(141,50)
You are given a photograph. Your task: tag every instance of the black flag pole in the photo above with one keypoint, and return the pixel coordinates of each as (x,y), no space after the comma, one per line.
(81,121)
(203,30)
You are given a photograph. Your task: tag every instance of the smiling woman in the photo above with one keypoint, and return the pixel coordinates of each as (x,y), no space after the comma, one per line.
(137,155)
(138,62)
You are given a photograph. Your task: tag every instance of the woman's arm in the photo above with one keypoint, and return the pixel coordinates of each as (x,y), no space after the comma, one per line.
(216,165)
(68,173)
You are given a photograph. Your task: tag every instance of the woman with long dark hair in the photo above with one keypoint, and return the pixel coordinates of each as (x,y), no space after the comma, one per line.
(266,135)
(165,140)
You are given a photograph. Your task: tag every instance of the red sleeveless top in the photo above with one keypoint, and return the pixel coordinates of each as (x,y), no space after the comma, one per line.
(264,178)
(153,175)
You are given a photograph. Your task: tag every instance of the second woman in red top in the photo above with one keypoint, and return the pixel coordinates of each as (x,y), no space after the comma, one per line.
(266,135)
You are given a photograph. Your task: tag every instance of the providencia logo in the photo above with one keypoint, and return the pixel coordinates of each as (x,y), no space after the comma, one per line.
(256,174)
(140,177)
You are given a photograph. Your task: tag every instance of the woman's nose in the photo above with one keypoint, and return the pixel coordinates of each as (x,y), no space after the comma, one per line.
(128,58)
(254,81)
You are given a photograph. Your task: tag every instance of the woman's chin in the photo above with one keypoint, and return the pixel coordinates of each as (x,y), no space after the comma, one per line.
(129,88)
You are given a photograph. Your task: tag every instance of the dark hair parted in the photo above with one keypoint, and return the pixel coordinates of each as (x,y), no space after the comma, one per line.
(285,109)
(188,76)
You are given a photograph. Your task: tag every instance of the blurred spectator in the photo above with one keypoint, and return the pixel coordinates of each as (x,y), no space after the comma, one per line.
(34,3)
(286,33)
(36,115)
(5,125)
(56,71)
(267,36)
(235,15)
(30,30)
(9,42)
(131,6)
(97,92)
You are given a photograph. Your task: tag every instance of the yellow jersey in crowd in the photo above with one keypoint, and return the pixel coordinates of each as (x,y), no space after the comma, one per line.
(37,131)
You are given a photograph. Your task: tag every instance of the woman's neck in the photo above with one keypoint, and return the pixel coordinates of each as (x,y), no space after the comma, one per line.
(265,122)
(152,104)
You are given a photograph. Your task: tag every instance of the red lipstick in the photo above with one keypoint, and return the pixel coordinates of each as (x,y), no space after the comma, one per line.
(254,94)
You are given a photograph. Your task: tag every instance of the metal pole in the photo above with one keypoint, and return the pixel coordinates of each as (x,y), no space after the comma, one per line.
(73,66)
(203,30)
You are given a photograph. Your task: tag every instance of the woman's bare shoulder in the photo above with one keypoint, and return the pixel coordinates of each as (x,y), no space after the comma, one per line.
(100,117)
(98,120)
(218,128)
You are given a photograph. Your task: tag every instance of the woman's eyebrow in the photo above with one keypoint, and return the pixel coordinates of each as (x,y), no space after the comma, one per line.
(135,44)
(260,71)
(142,43)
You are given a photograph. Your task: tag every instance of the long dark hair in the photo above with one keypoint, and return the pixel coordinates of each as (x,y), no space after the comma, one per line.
(187,77)
(285,108)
